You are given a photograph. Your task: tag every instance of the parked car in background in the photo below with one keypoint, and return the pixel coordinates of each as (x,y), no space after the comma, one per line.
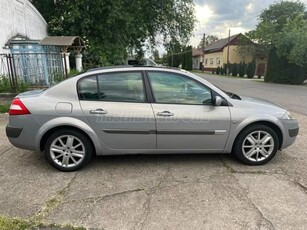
(145,110)
(140,62)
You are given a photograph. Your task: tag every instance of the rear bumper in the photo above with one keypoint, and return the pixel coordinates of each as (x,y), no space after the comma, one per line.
(21,131)
(12,132)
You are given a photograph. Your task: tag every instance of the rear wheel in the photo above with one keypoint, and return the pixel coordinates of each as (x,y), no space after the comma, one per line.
(68,150)
(256,145)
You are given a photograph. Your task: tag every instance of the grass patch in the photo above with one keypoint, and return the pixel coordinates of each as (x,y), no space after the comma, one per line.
(18,224)
(4,108)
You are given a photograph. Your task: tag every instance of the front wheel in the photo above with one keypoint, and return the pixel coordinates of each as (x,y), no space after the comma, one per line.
(68,150)
(256,145)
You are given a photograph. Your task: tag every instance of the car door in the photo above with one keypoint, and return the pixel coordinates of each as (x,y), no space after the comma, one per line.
(115,105)
(185,115)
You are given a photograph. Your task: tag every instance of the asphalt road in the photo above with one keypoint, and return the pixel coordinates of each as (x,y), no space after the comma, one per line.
(292,97)
(168,191)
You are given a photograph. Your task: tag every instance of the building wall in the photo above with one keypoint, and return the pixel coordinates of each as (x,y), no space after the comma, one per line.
(234,57)
(196,62)
(211,60)
(20,17)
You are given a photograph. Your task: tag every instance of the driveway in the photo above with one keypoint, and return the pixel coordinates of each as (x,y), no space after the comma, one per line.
(163,191)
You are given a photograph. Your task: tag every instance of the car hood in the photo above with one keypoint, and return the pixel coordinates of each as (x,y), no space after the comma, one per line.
(259,101)
(249,106)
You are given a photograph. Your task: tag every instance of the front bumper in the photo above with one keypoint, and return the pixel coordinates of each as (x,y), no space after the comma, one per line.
(291,130)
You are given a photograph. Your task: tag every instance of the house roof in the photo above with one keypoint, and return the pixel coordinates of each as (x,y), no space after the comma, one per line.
(220,44)
(197,52)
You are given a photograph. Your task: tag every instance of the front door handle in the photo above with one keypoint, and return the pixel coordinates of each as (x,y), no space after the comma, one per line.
(98,111)
(165,114)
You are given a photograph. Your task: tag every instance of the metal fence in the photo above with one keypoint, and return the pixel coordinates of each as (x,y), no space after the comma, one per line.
(33,69)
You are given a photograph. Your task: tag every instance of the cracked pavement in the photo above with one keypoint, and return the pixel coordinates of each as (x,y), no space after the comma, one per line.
(158,191)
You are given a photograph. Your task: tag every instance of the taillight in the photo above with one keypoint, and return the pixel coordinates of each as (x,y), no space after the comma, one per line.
(18,108)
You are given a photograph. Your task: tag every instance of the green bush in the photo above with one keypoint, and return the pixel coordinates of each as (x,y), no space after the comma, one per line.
(218,70)
(234,70)
(279,70)
(5,85)
(251,67)
(241,69)
(222,71)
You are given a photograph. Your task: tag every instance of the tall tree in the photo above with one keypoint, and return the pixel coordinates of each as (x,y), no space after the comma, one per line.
(112,27)
(281,35)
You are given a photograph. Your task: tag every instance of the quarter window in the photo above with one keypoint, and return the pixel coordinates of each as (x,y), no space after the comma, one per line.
(124,87)
(177,89)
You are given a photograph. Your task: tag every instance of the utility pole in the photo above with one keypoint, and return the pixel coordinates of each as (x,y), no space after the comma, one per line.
(204,45)
(228,70)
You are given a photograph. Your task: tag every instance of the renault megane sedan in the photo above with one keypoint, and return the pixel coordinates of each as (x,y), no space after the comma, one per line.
(145,110)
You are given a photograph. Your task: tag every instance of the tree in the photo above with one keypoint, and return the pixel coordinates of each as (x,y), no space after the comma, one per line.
(281,29)
(156,56)
(234,70)
(174,49)
(241,69)
(208,40)
(112,27)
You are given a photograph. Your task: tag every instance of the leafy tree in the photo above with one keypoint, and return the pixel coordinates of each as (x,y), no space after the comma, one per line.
(187,58)
(114,27)
(281,71)
(156,56)
(281,29)
(208,40)
(174,49)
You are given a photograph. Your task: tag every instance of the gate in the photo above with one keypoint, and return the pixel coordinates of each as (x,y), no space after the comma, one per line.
(33,69)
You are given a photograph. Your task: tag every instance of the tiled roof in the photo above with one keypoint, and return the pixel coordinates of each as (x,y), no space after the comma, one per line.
(220,44)
(197,52)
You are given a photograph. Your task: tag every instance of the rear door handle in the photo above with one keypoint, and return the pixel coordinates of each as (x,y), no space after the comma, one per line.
(98,111)
(165,114)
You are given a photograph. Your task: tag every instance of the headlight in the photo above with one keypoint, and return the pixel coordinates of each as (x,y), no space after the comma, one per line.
(287,116)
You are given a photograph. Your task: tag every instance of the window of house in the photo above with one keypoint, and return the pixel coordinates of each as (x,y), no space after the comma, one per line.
(211,61)
(218,61)
(206,61)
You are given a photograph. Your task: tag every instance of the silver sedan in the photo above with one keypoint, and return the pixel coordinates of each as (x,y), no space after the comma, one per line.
(145,110)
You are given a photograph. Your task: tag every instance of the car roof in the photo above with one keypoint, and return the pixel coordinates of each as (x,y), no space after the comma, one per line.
(131,68)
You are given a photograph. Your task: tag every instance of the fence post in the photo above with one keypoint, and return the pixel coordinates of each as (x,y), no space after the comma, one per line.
(12,73)
(65,65)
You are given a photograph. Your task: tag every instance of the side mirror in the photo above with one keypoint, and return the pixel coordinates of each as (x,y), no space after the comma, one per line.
(218,101)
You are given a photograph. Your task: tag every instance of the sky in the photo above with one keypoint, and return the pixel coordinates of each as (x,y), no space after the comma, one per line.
(216,17)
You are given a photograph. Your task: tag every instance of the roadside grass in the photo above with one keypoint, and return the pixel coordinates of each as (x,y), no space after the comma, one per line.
(4,108)
(18,224)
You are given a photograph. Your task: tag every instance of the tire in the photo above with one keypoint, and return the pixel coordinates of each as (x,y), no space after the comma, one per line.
(68,150)
(252,150)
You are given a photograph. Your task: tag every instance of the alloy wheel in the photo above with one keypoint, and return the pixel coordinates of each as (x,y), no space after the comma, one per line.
(67,151)
(258,146)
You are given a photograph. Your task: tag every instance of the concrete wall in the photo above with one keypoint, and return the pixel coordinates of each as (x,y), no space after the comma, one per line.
(20,17)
